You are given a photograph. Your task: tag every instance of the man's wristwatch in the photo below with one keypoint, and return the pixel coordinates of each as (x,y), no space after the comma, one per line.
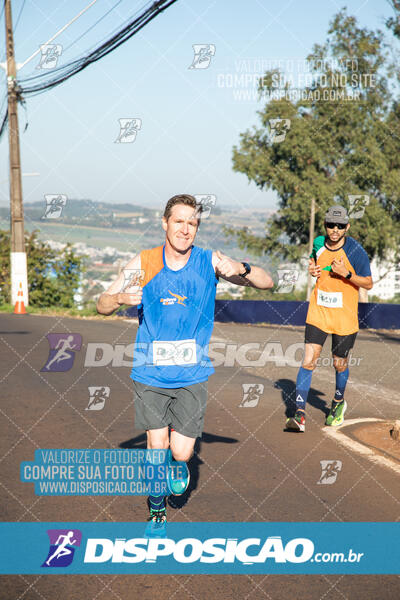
(247,269)
(349,274)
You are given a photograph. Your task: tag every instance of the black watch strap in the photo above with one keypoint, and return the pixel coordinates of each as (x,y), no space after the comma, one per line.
(349,274)
(247,271)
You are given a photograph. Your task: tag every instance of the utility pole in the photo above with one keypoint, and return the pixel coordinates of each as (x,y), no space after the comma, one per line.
(19,272)
(310,243)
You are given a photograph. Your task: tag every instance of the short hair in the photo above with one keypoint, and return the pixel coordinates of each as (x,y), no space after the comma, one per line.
(185,199)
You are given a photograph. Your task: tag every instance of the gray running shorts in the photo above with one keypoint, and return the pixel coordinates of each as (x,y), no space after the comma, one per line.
(182,408)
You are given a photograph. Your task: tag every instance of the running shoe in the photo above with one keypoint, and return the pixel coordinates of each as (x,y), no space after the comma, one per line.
(298,422)
(178,478)
(336,414)
(157,524)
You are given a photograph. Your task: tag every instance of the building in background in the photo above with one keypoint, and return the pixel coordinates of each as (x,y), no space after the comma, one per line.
(386,278)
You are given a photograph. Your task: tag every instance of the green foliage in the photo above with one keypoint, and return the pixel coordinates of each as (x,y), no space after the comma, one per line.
(394,300)
(56,311)
(53,278)
(394,22)
(333,149)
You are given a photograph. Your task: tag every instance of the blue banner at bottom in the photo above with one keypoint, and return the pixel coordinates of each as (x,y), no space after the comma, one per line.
(199,548)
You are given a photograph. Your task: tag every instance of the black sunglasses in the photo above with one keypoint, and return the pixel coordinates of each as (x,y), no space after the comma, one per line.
(333,225)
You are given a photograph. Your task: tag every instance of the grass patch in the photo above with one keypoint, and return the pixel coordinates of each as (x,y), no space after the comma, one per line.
(54,311)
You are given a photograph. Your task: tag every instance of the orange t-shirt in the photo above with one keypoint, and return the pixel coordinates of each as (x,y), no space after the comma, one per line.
(334,301)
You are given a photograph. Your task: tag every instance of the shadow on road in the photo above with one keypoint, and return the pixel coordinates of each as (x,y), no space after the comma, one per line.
(194,463)
(288,390)
(15,332)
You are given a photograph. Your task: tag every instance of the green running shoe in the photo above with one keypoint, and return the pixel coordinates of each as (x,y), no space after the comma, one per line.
(157,524)
(336,414)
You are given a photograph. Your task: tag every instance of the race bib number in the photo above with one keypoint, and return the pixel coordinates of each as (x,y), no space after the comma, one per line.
(330,299)
(180,352)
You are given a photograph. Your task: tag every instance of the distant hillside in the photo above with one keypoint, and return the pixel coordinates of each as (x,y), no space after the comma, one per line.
(131,227)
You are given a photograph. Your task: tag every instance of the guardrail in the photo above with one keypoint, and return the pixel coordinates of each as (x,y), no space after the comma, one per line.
(371,315)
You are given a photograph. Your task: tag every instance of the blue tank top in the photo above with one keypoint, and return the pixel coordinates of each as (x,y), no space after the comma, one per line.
(176,319)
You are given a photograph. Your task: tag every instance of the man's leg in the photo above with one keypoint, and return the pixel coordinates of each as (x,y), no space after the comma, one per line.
(181,446)
(341,346)
(182,449)
(342,374)
(303,382)
(339,405)
(157,439)
(151,414)
(187,412)
(314,340)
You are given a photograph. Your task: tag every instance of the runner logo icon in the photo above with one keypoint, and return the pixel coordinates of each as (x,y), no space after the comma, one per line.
(203,54)
(62,547)
(98,396)
(330,470)
(62,351)
(251,394)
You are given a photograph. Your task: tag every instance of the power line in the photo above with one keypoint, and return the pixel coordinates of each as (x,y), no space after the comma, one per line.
(74,67)
(4,123)
(42,82)
(92,26)
(19,15)
(4,101)
(1,14)
(118,27)
(58,32)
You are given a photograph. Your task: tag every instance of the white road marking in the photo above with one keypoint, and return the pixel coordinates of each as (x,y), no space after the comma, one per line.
(338,435)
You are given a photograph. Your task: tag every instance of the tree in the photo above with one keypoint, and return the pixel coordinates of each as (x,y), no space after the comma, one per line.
(53,278)
(343,140)
(393,23)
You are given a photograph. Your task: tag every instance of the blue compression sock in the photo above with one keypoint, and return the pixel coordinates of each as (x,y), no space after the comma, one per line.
(303,384)
(157,502)
(341,380)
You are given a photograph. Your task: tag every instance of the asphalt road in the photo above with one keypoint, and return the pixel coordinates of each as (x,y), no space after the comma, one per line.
(246,468)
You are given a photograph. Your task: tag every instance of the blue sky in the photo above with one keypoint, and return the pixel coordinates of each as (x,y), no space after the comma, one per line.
(189,119)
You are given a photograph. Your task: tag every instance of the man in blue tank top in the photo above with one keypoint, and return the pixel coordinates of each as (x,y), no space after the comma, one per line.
(174,286)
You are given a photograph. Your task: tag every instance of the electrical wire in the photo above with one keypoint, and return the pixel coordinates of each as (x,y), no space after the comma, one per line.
(3,101)
(4,123)
(19,16)
(93,48)
(133,26)
(1,14)
(92,26)
(41,82)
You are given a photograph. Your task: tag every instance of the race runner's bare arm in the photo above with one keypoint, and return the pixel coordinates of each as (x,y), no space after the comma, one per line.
(116,295)
(339,267)
(229,269)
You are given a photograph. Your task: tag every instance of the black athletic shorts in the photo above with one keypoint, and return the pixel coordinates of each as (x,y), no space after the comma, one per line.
(341,344)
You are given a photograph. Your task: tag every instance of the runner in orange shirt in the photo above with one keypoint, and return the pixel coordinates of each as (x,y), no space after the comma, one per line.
(341,266)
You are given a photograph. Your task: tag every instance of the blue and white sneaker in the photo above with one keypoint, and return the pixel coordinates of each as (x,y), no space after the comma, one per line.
(157,524)
(178,478)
